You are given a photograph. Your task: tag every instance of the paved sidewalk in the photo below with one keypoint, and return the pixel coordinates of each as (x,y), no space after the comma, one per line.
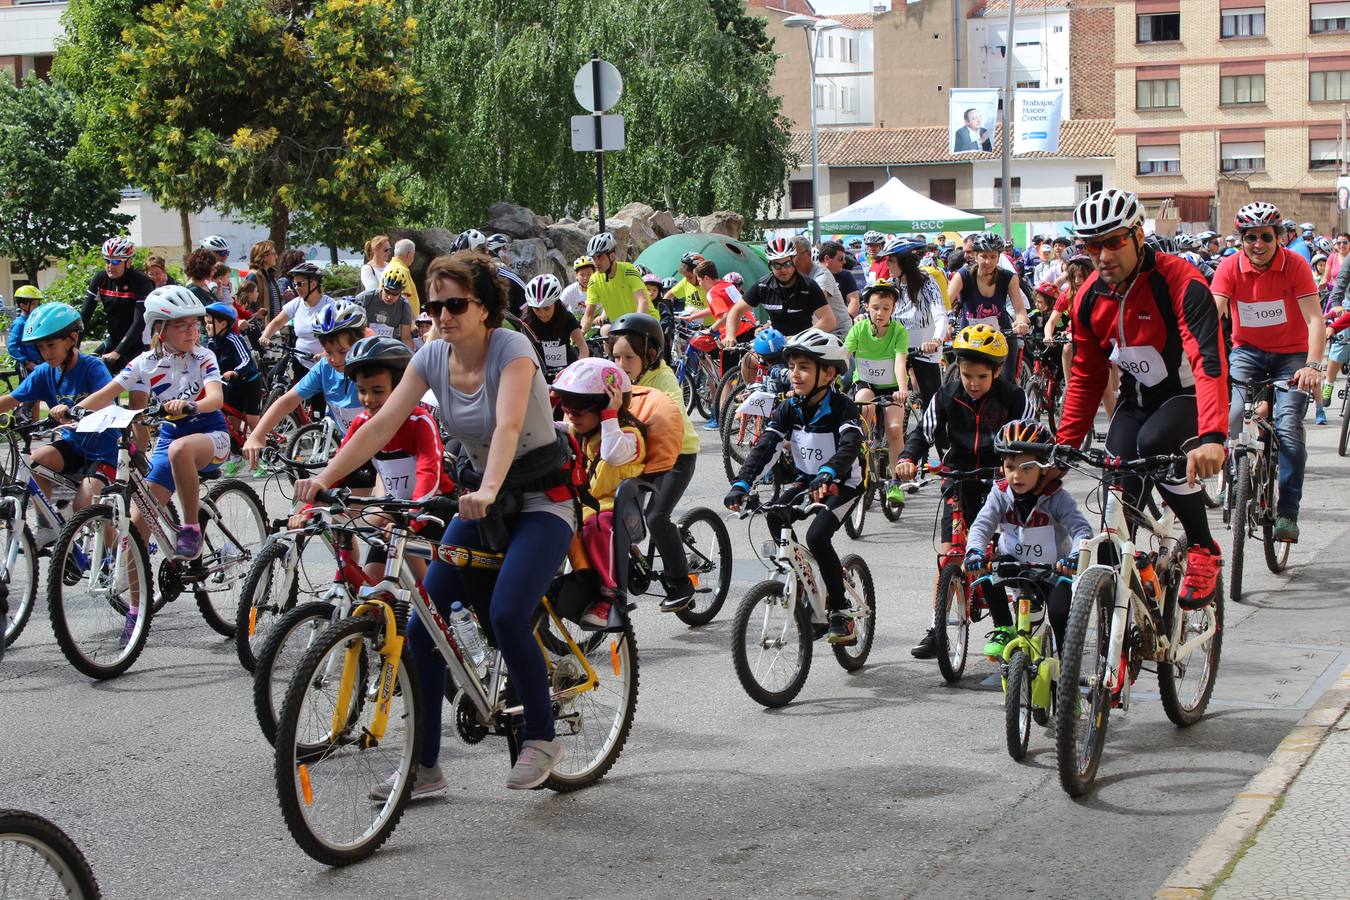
(1301,850)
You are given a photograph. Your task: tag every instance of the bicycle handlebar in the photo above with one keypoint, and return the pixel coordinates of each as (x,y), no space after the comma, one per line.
(1062,454)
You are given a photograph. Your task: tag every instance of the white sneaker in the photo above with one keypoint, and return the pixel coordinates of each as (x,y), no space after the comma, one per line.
(535,764)
(43,536)
(429,780)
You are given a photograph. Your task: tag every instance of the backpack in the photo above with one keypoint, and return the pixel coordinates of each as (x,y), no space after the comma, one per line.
(665,427)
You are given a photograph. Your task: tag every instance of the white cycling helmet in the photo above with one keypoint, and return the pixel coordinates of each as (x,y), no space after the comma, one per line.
(495,243)
(1106,211)
(215,244)
(472,239)
(1259,214)
(118,248)
(602,243)
(168,303)
(874,237)
(543,290)
(821,346)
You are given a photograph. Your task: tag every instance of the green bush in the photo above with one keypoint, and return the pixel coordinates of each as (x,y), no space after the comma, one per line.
(343,278)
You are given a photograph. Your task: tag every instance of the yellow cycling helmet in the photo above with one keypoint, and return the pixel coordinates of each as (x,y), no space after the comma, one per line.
(29,292)
(582,262)
(397,280)
(981,342)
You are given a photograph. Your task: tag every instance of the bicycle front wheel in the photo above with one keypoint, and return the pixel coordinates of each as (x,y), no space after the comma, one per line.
(270,588)
(1082,702)
(853,522)
(329,769)
(1186,684)
(1240,521)
(771,645)
(859,578)
(288,640)
(20,570)
(1017,706)
(593,725)
(312,444)
(38,859)
(99,596)
(951,622)
(234,526)
(708,550)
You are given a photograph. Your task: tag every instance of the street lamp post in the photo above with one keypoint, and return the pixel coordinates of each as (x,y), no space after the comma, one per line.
(811,25)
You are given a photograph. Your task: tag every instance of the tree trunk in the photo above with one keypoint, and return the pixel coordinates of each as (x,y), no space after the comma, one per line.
(333,253)
(279,225)
(186,225)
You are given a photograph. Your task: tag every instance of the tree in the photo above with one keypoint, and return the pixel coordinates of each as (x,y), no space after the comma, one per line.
(52,199)
(703,126)
(267,108)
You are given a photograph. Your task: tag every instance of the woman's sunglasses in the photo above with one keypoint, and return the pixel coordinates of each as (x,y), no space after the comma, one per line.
(1112,244)
(456,306)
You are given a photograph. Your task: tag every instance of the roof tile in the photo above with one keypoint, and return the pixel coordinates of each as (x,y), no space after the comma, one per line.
(1080,138)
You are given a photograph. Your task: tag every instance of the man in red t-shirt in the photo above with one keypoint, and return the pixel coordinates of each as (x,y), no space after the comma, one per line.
(1271,301)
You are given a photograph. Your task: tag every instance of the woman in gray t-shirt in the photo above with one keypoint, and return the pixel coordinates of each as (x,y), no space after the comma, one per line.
(493,399)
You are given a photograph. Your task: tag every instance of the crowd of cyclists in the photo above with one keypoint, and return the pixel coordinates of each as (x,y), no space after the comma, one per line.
(532,402)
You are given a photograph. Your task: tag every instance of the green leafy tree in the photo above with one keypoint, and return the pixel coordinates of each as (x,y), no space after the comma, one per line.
(51,199)
(267,108)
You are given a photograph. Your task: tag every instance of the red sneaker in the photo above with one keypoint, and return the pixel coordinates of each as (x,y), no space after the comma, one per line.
(1203,568)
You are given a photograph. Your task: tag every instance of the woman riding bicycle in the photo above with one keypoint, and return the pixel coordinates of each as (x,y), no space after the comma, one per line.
(302,313)
(982,295)
(494,400)
(921,309)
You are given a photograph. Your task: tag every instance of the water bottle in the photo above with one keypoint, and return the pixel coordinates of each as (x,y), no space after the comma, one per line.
(467,636)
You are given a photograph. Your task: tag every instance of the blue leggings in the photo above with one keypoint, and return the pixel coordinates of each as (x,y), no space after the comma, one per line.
(539,543)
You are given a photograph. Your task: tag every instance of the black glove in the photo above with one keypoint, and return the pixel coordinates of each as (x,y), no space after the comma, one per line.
(975,563)
(734,498)
(822,480)
(443,508)
(1067,565)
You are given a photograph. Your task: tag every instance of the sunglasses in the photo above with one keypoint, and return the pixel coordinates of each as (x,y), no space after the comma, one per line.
(1113,244)
(113,262)
(456,306)
(782,264)
(396,292)
(1252,237)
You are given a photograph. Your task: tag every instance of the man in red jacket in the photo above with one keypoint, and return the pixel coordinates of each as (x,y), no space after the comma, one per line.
(1153,316)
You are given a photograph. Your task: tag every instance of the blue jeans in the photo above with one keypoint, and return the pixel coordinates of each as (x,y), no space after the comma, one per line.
(539,543)
(1250,364)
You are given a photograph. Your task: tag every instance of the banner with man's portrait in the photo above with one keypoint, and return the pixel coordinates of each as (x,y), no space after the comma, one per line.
(971,117)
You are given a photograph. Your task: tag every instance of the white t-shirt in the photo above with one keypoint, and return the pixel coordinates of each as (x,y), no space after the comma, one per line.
(370,276)
(574,299)
(303,316)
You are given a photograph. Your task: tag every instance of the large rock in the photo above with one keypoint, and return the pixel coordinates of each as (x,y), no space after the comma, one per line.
(663,223)
(722,222)
(513,221)
(569,240)
(529,257)
(637,218)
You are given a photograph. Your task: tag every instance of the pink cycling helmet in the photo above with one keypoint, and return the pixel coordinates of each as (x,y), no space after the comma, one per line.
(583,383)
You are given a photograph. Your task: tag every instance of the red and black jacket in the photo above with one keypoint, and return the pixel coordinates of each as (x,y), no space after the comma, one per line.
(963,427)
(1168,307)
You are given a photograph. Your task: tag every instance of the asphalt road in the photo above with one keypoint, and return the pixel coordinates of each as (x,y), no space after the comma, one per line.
(884,783)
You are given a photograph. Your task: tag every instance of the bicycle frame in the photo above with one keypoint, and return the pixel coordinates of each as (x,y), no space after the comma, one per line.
(791,557)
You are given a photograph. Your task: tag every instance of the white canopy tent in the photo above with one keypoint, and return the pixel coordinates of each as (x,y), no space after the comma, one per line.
(893,207)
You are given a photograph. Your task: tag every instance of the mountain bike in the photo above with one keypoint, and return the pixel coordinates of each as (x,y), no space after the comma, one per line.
(958,599)
(100,568)
(1125,612)
(38,859)
(1029,667)
(697,373)
(351,713)
(875,457)
(782,616)
(1343,392)
(1044,386)
(1255,464)
(745,411)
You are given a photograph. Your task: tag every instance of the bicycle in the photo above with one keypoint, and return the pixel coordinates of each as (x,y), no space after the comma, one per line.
(1343,392)
(958,599)
(1125,612)
(699,528)
(773,657)
(875,456)
(38,859)
(1029,666)
(747,408)
(89,623)
(1255,468)
(698,375)
(351,713)
(1044,386)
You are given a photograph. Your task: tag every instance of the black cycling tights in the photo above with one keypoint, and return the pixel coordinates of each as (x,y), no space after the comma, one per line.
(820,541)
(929,377)
(670,487)
(1136,432)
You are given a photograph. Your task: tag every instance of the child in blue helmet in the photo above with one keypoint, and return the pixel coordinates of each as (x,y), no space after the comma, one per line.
(64,376)
(238,369)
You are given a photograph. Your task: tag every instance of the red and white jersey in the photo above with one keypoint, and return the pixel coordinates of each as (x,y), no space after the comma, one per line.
(412,463)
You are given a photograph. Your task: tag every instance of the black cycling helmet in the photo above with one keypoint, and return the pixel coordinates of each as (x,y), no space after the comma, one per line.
(644,326)
(307,269)
(377,352)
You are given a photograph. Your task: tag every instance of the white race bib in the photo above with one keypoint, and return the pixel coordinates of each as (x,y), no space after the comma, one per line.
(555,354)
(811,450)
(877,371)
(1031,545)
(381,330)
(343,414)
(399,476)
(1262,314)
(1144,363)
(991,321)
(760,403)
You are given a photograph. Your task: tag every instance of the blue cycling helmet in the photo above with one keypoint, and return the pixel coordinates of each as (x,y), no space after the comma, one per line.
(52,320)
(901,247)
(342,315)
(770,342)
(224,311)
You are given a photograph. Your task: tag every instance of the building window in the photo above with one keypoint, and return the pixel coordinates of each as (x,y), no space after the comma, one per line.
(1329,17)
(1324,153)
(1027,44)
(1329,85)
(1242,156)
(1164,159)
(799,193)
(1158,27)
(857,190)
(1085,186)
(1059,81)
(1016,192)
(1242,89)
(1028,84)
(1157,93)
(942,190)
(1248,22)
(1059,29)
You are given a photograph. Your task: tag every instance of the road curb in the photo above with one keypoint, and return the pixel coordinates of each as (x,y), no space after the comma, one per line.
(1211,860)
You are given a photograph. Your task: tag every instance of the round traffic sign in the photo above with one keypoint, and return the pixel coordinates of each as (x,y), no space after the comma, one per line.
(593,73)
